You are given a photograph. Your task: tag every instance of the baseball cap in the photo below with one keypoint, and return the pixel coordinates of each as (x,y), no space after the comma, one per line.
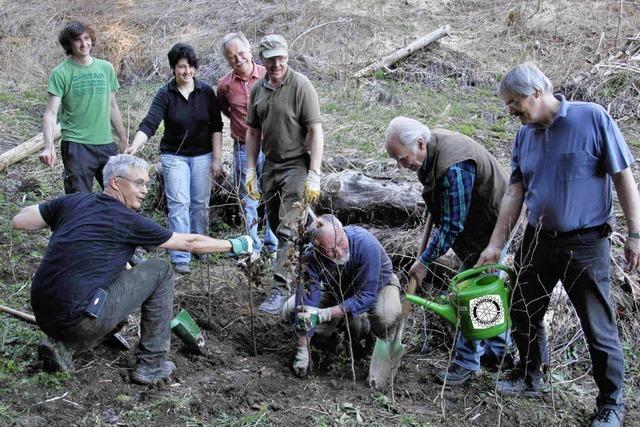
(273,45)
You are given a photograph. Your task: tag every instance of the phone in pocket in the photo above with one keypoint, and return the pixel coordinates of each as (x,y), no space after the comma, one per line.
(96,303)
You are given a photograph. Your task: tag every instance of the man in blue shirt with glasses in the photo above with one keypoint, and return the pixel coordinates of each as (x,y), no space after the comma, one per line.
(565,157)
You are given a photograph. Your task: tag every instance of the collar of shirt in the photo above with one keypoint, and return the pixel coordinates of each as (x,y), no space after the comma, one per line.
(426,173)
(197,85)
(561,113)
(255,73)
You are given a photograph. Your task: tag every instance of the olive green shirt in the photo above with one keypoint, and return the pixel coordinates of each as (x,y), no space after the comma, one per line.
(283,114)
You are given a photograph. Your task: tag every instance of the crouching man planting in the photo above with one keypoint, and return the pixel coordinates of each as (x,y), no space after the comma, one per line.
(348,273)
(81,291)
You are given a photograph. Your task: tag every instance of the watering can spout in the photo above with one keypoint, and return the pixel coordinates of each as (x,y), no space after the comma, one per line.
(446,311)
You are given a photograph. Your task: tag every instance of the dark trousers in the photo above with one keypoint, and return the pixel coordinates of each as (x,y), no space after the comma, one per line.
(83,163)
(148,285)
(282,186)
(581,262)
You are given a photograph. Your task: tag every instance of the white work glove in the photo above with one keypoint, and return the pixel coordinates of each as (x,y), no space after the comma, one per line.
(251,184)
(312,187)
(301,362)
(241,245)
(310,317)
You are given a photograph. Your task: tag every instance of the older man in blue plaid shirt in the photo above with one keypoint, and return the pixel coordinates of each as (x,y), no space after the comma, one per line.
(462,187)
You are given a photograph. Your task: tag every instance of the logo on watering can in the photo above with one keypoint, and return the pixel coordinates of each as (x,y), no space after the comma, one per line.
(486,311)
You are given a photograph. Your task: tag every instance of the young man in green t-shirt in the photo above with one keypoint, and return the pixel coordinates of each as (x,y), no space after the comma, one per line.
(82,89)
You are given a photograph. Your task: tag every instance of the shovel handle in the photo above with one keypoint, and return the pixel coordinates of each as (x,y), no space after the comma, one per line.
(19,314)
(406,304)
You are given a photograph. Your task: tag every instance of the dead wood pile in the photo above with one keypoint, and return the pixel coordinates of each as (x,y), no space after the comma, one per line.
(613,82)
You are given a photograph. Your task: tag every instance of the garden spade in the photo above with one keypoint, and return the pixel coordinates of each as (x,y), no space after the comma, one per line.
(386,356)
(188,331)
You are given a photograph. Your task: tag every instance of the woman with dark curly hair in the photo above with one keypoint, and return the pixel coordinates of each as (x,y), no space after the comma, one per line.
(190,149)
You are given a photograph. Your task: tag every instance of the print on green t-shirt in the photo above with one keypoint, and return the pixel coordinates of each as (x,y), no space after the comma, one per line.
(85,92)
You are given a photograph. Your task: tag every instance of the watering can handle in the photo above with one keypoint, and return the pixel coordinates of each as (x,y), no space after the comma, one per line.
(475,271)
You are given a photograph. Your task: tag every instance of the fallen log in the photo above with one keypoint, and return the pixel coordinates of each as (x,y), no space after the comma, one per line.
(26,149)
(350,195)
(358,198)
(396,56)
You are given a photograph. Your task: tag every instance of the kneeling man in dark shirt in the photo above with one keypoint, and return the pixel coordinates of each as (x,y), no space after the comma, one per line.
(81,291)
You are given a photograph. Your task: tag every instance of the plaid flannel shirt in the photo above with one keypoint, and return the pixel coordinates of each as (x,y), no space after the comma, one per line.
(457,186)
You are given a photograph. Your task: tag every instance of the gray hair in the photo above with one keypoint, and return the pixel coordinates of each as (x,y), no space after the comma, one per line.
(524,80)
(408,131)
(234,36)
(120,164)
(322,225)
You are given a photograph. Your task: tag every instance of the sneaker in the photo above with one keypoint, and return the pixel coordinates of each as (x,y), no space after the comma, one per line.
(519,385)
(455,375)
(150,374)
(274,303)
(55,355)
(182,268)
(607,417)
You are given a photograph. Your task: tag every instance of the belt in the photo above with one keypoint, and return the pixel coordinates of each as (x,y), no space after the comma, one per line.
(238,141)
(552,234)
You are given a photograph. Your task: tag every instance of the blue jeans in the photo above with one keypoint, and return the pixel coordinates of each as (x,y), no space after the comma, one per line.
(187,185)
(469,352)
(249,205)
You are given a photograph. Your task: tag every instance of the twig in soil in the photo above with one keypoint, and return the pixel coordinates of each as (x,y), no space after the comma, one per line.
(109,365)
(53,399)
(72,403)
(87,366)
(250,277)
(231,323)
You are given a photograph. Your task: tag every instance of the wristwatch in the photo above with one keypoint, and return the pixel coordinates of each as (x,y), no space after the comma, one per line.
(635,235)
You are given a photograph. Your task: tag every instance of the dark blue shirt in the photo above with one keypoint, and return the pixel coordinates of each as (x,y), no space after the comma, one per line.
(94,235)
(188,123)
(565,169)
(367,271)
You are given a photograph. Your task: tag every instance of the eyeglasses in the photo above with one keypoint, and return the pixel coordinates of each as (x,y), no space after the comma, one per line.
(512,104)
(140,183)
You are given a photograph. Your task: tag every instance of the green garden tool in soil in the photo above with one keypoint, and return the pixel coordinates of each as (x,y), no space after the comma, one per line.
(478,300)
(386,356)
(188,331)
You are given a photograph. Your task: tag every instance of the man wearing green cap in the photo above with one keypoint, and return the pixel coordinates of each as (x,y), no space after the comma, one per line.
(283,119)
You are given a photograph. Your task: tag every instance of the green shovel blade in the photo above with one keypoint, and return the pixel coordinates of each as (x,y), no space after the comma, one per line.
(188,331)
(385,359)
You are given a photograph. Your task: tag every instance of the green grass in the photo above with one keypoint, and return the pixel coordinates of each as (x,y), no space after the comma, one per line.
(355,117)
(260,418)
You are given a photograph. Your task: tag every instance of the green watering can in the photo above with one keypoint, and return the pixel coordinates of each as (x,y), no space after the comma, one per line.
(479,300)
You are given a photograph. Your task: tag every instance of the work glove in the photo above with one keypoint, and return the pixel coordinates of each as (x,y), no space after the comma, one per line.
(301,362)
(251,184)
(241,245)
(310,317)
(312,187)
